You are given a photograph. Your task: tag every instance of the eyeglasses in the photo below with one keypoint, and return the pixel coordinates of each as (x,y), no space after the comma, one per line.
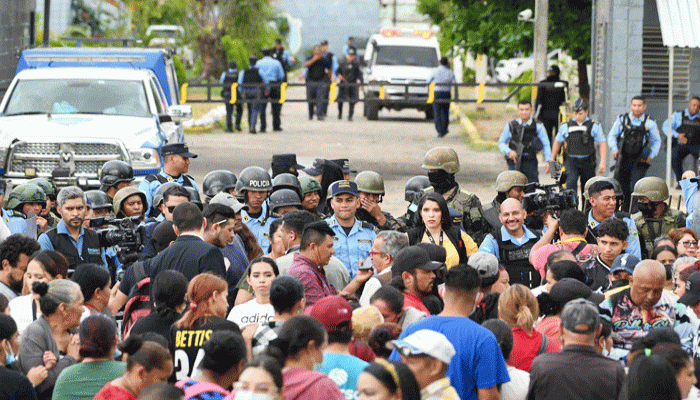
(375,253)
(689,244)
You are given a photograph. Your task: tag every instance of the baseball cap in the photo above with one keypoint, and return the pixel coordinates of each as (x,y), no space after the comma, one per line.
(567,289)
(285,161)
(229,201)
(426,342)
(691,296)
(177,148)
(624,262)
(486,264)
(340,187)
(412,257)
(316,168)
(580,316)
(344,164)
(334,312)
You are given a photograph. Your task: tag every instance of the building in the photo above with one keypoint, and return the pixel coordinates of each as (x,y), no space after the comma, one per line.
(16,19)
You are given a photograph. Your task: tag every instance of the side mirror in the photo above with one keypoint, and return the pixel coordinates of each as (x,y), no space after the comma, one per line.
(164,118)
(179,113)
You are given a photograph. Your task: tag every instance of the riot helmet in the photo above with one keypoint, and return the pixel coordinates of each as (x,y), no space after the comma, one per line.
(284,198)
(254,178)
(286,180)
(97,199)
(218,181)
(115,171)
(415,187)
(158,195)
(48,186)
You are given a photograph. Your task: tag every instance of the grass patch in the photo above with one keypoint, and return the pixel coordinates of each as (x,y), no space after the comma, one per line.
(475,115)
(479,146)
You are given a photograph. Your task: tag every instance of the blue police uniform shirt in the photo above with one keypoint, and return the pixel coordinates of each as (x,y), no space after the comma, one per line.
(260,226)
(270,70)
(61,227)
(353,247)
(490,244)
(443,75)
(596,131)
(506,135)
(690,190)
(651,126)
(18,224)
(223,75)
(149,188)
(676,121)
(633,246)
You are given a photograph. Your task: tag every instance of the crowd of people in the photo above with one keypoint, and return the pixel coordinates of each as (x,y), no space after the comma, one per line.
(293,283)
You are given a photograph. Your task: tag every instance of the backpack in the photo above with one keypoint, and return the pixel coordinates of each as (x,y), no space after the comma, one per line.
(139,303)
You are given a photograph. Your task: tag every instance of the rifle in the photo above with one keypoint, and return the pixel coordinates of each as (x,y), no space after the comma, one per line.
(519,148)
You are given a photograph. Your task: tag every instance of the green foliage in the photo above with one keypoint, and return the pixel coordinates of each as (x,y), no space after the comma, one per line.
(468,75)
(198,65)
(235,51)
(86,18)
(179,70)
(148,12)
(526,92)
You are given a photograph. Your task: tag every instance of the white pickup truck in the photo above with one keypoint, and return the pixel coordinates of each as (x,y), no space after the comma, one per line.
(64,123)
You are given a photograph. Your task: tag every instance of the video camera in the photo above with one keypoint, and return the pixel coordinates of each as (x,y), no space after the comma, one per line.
(127,236)
(555,197)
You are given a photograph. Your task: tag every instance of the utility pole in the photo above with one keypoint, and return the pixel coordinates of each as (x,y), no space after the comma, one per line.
(393,16)
(541,32)
(47,16)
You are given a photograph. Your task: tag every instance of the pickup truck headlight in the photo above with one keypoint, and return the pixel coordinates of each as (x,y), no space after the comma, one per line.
(145,158)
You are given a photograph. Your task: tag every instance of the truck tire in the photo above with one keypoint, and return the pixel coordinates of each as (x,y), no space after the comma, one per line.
(429,113)
(371,110)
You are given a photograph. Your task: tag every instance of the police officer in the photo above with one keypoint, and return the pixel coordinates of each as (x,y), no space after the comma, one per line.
(413,191)
(349,75)
(551,94)
(655,218)
(520,141)
(442,164)
(509,185)
(252,90)
(603,206)
(115,175)
(69,237)
(311,192)
(511,244)
(284,200)
(443,77)
(23,202)
(685,126)
(370,187)
(228,78)
(634,141)
(344,165)
(318,72)
(353,238)
(219,181)
(48,212)
(580,134)
(272,74)
(255,186)
(287,181)
(616,187)
(285,163)
(176,158)
(283,56)
(99,205)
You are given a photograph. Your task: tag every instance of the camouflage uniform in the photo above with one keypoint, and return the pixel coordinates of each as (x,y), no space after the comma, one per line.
(651,228)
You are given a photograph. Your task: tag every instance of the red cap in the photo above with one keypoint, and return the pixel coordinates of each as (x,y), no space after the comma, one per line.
(333,311)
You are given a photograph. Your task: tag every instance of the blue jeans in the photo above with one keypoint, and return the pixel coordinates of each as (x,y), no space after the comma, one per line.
(680,151)
(317,95)
(441,112)
(576,168)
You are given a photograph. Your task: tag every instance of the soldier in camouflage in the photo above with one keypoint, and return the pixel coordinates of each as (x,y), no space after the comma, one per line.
(442,164)
(509,184)
(655,218)
(25,201)
(49,211)
(370,186)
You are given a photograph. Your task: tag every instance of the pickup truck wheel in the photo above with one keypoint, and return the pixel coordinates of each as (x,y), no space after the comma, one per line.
(371,110)
(429,113)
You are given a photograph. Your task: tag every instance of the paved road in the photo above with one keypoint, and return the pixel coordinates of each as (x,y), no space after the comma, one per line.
(394,146)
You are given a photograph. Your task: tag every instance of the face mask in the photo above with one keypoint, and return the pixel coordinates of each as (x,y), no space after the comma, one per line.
(441,181)
(9,356)
(248,395)
(645,208)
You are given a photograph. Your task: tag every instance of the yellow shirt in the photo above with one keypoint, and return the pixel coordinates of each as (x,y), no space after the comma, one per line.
(452,258)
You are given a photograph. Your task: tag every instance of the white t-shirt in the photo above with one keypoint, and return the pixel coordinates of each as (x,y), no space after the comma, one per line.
(516,389)
(21,312)
(251,312)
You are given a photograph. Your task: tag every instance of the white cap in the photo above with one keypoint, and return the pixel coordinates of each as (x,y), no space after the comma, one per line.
(229,201)
(426,342)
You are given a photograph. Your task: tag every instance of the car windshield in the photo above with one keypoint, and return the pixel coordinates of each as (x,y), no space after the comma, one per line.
(72,96)
(407,55)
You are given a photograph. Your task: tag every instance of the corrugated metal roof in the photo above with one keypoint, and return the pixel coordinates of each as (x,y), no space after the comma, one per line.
(679,20)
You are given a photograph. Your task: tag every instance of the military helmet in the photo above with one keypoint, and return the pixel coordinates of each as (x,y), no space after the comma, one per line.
(286,180)
(651,187)
(158,195)
(194,197)
(309,184)
(370,182)
(617,186)
(283,198)
(97,199)
(48,186)
(25,193)
(507,180)
(415,186)
(114,172)
(444,158)
(255,178)
(218,181)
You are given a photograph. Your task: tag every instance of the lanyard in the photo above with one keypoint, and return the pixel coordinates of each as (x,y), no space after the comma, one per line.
(430,237)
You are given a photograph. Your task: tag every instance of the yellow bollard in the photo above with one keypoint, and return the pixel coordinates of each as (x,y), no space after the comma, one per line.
(431,93)
(480,98)
(333,92)
(234,93)
(283,92)
(382,94)
(183,93)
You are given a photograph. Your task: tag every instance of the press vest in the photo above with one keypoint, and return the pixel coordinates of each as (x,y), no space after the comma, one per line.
(516,260)
(91,252)
(580,140)
(690,127)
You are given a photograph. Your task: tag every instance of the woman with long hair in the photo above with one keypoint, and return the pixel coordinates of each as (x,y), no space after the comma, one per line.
(169,289)
(261,272)
(682,364)
(518,307)
(686,241)
(387,380)
(277,248)
(433,224)
(44,266)
(208,306)
(650,377)
(261,378)
(299,349)
(15,386)
(146,363)
(95,283)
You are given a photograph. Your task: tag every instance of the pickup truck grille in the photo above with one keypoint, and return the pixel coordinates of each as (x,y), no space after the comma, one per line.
(84,159)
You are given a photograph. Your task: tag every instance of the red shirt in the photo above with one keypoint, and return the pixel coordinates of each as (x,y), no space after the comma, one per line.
(410,300)
(313,277)
(526,347)
(111,392)
(539,258)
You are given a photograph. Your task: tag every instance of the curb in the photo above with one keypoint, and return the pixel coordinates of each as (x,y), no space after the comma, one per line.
(470,128)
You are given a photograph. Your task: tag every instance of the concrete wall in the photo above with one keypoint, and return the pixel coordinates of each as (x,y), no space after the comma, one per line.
(14,36)
(333,20)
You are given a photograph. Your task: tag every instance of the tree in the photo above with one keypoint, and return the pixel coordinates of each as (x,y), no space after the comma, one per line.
(491,27)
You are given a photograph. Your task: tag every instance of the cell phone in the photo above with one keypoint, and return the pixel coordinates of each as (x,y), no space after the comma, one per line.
(367,264)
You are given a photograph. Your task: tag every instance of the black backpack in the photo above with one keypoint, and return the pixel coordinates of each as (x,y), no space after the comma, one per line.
(632,141)
(139,303)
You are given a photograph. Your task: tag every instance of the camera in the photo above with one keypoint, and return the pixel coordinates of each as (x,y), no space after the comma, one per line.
(553,198)
(525,15)
(127,236)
